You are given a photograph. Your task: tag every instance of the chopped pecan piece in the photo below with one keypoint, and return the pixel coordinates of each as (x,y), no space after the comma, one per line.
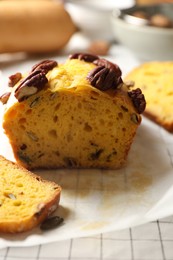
(84,56)
(4,98)
(45,66)
(31,85)
(13,79)
(107,75)
(51,222)
(129,83)
(138,99)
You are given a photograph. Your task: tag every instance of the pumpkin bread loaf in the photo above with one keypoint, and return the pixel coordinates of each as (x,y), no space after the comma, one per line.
(155,80)
(26,200)
(76,114)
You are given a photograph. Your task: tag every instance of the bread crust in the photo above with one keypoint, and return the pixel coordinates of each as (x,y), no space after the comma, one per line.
(155,80)
(158,121)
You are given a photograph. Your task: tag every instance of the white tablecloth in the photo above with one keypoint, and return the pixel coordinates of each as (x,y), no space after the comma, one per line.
(152,241)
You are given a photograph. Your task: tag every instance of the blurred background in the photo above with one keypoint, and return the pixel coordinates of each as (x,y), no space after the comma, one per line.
(44,27)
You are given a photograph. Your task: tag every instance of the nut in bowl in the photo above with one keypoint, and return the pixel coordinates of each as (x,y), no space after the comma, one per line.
(146,30)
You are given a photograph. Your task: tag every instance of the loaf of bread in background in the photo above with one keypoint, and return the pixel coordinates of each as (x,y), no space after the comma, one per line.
(156,81)
(26,200)
(34,26)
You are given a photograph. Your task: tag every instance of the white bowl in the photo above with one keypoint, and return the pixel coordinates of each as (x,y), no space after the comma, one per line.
(92,17)
(146,42)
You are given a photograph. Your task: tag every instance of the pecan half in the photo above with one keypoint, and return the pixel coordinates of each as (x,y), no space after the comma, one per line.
(84,56)
(107,75)
(13,79)
(138,99)
(4,97)
(44,66)
(31,85)
(112,66)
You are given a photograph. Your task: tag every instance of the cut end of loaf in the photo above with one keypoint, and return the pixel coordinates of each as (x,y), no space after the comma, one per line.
(74,121)
(25,199)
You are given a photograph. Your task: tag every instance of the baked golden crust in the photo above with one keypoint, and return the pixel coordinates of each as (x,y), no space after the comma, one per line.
(26,200)
(69,122)
(155,80)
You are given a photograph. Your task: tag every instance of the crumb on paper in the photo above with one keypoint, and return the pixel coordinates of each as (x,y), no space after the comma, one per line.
(95,225)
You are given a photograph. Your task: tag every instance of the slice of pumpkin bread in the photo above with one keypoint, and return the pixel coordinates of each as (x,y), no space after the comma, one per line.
(26,200)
